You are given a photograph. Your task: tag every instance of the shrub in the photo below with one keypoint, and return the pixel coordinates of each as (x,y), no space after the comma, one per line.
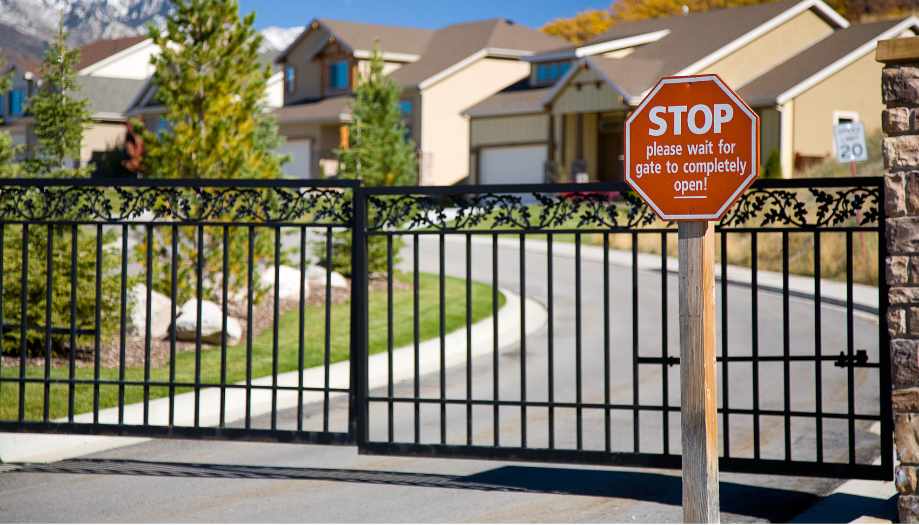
(772,169)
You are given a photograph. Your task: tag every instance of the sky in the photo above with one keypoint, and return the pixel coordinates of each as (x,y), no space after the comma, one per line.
(418,13)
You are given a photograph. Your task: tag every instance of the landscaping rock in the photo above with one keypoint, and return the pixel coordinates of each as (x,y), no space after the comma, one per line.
(160,311)
(288,283)
(316,276)
(211,323)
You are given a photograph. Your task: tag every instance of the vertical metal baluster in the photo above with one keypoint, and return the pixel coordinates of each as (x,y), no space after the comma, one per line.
(579,424)
(635,368)
(416,338)
(389,339)
(24,322)
(786,347)
(850,343)
(301,331)
(725,382)
(174,297)
(443,342)
(495,349)
(665,372)
(550,342)
(275,320)
(97,350)
(72,357)
(523,343)
(224,292)
(607,431)
(148,316)
(3,318)
(249,290)
(199,276)
(818,349)
(49,286)
(327,358)
(469,339)
(122,341)
(754,334)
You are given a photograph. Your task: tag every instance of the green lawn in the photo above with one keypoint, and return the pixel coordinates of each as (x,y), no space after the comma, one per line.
(288,345)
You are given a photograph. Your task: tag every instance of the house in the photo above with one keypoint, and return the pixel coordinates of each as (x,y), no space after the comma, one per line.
(441,73)
(25,71)
(565,122)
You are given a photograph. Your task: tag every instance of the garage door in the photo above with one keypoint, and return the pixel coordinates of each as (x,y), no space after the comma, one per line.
(512,165)
(300,162)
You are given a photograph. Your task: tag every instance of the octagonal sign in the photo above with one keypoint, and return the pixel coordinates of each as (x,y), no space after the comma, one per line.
(691,148)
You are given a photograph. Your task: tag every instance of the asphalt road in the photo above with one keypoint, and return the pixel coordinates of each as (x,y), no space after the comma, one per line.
(205,481)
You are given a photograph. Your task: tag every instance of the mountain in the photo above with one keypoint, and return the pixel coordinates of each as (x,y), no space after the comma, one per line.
(278,38)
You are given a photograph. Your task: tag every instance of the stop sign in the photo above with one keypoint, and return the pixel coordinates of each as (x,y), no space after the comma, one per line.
(691,148)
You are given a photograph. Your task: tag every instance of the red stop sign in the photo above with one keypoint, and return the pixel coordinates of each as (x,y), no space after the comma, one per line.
(691,148)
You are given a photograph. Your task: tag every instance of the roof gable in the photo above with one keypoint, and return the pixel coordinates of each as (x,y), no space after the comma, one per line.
(356,36)
(95,52)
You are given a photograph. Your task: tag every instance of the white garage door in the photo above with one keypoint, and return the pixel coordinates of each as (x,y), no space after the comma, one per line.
(512,165)
(299,164)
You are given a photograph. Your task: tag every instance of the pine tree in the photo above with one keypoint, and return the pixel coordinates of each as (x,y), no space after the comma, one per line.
(8,150)
(380,152)
(209,79)
(59,116)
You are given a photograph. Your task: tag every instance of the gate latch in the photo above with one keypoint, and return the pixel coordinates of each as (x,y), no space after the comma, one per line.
(860,359)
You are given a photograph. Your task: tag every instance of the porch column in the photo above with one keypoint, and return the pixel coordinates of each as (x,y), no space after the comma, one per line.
(900,91)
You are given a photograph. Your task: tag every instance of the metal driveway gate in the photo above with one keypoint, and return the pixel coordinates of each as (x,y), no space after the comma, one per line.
(566,293)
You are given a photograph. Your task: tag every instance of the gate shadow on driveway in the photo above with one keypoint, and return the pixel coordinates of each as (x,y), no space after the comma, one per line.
(766,503)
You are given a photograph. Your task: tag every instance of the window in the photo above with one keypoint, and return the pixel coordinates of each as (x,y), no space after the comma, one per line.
(845,117)
(290,78)
(405,106)
(550,72)
(339,75)
(16,101)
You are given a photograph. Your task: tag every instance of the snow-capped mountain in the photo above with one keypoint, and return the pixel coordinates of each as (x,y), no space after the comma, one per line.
(278,38)
(86,20)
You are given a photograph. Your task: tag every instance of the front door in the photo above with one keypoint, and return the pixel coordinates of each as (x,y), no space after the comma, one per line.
(609,146)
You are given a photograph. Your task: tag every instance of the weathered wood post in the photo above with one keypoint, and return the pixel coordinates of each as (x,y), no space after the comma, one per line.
(900,92)
(699,410)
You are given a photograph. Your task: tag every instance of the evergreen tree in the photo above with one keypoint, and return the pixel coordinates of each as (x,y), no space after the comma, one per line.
(380,152)
(59,115)
(8,150)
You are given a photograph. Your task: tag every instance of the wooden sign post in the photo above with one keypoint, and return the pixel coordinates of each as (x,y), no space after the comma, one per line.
(691,148)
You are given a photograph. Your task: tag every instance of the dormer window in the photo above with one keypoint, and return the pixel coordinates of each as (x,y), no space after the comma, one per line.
(339,75)
(550,72)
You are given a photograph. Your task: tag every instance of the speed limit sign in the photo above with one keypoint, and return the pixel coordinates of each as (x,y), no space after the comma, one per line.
(850,142)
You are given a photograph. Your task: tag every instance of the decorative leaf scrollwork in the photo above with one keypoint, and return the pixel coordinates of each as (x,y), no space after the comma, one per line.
(181,204)
(816,207)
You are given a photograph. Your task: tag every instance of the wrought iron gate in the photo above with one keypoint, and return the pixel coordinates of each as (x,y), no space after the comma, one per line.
(566,293)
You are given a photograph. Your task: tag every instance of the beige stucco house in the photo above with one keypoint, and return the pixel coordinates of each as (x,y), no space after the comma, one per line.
(442,73)
(566,121)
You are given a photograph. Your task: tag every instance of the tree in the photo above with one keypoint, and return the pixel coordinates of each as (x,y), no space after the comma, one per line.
(581,27)
(8,150)
(59,116)
(380,152)
(209,79)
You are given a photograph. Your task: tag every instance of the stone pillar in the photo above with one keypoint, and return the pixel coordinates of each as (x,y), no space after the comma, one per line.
(900,91)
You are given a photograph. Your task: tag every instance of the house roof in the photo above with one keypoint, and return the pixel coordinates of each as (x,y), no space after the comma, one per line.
(510,102)
(692,41)
(101,49)
(331,109)
(361,36)
(450,46)
(21,61)
(110,97)
(850,42)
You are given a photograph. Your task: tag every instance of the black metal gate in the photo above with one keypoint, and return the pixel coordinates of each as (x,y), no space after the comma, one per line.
(528,322)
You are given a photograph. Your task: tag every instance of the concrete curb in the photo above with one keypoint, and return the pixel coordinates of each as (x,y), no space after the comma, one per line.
(44,448)
(865,298)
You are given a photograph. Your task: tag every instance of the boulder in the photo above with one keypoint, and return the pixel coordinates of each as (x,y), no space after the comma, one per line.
(211,323)
(288,283)
(160,311)
(316,276)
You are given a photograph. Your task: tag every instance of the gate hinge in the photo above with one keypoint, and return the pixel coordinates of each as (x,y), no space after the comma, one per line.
(860,359)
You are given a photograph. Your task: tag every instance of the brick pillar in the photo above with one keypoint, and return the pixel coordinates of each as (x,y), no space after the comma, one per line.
(900,91)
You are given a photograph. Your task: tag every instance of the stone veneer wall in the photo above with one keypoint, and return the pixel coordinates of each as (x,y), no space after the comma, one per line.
(900,91)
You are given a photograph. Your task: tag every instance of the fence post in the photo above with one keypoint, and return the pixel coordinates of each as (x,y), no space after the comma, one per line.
(900,93)
(359,283)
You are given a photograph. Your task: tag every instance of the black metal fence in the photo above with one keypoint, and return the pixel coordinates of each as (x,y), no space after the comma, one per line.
(514,322)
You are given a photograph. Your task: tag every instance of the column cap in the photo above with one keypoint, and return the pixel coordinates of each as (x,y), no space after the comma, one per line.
(898,50)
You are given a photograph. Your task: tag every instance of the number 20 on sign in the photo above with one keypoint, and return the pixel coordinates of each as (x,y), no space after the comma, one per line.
(691,149)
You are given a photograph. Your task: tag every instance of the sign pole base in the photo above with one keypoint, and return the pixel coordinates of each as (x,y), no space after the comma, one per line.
(697,372)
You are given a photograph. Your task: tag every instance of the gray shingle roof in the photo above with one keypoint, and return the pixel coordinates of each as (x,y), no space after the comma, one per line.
(110,96)
(511,102)
(330,109)
(395,39)
(769,86)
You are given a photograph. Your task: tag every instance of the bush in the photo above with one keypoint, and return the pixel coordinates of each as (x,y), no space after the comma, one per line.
(772,169)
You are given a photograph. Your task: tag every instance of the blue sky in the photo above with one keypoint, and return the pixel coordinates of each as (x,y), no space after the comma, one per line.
(419,13)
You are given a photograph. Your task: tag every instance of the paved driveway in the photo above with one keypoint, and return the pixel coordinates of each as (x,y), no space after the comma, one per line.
(205,481)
